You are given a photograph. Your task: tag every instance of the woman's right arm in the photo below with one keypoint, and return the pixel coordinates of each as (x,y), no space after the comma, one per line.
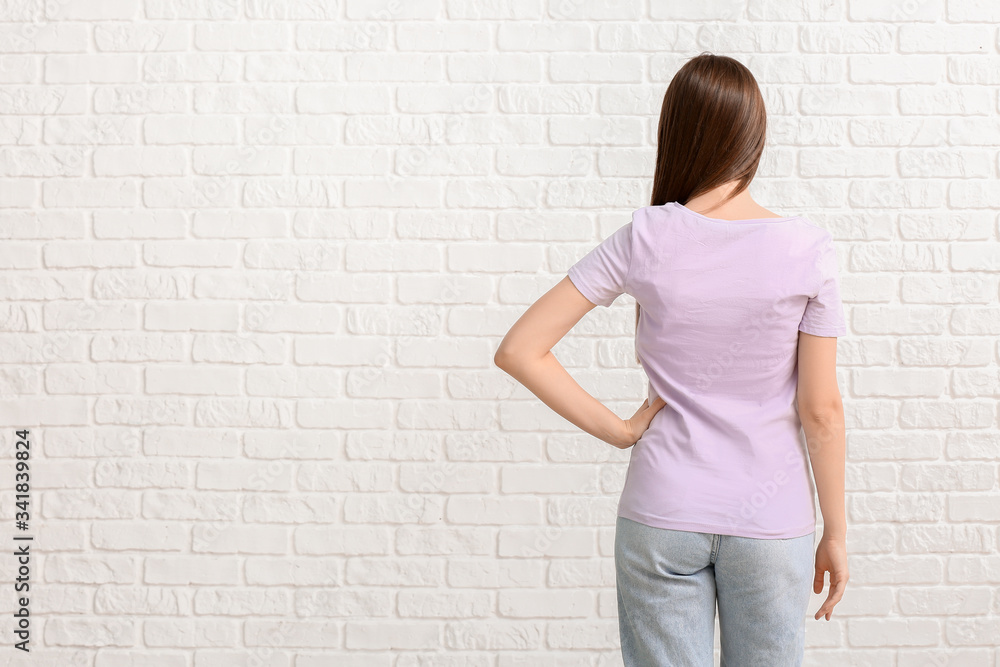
(821,411)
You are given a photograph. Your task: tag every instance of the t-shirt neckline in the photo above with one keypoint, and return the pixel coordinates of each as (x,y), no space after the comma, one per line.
(684,208)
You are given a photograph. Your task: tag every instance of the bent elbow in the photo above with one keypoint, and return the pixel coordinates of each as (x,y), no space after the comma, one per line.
(822,414)
(502,358)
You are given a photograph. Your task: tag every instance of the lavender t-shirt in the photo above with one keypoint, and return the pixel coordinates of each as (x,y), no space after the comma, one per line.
(721,304)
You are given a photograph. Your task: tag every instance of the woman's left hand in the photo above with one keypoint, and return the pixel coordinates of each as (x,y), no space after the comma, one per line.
(635,426)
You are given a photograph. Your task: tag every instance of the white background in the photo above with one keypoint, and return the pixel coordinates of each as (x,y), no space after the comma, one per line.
(257,256)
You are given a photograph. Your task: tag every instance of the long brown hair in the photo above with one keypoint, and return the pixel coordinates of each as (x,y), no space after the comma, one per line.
(711,132)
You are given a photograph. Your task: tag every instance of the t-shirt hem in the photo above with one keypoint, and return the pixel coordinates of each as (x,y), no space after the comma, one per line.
(697,527)
(585,289)
(817,331)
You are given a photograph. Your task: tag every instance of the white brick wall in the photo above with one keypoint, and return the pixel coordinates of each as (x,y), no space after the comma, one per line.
(258,254)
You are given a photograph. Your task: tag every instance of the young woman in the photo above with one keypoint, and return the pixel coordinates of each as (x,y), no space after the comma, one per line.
(738,311)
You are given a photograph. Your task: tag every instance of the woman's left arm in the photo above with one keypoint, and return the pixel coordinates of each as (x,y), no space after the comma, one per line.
(526,355)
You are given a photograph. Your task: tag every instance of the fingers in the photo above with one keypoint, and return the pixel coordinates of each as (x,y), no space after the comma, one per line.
(653,409)
(833,597)
(837,592)
(826,610)
(828,605)
(818,581)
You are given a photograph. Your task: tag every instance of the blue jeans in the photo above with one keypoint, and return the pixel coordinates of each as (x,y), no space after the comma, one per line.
(668,583)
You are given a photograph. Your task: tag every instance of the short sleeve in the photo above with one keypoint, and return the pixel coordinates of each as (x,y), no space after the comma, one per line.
(601,274)
(824,312)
